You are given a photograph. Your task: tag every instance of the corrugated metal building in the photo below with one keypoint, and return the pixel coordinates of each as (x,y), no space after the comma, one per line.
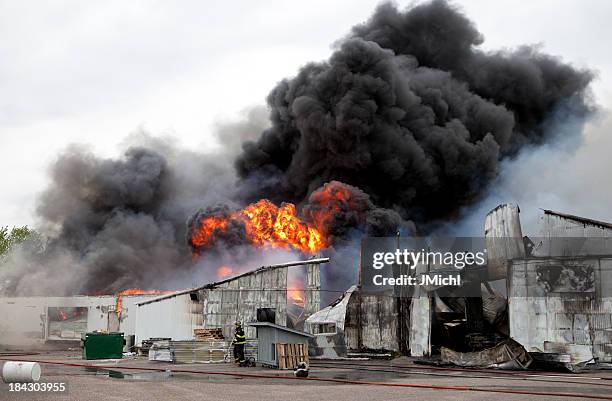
(564,286)
(172,316)
(221,304)
(355,322)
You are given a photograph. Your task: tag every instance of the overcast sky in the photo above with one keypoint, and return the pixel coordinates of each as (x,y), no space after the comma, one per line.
(92,72)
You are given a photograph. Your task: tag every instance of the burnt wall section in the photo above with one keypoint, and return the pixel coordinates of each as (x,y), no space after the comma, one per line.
(504,239)
(327,326)
(371,322)
(312,293)
(239,299)
(568,301)
(564,286)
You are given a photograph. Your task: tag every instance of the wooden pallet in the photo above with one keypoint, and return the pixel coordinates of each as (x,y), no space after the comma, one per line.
(290,354)
(208,334)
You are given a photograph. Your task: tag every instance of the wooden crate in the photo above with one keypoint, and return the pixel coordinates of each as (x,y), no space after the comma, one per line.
(288,355)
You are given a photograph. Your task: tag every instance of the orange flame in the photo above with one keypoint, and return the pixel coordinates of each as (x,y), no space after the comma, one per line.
(266,225)
(62,315)
(295,291)
(205,234)
(296,295)
(330,200)
(223,272)
(134,291)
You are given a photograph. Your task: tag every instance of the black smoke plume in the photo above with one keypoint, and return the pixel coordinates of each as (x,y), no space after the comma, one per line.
(411,112)
(408,115)
(115,224)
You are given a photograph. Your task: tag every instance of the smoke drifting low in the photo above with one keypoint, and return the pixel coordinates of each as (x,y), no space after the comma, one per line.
(407,124)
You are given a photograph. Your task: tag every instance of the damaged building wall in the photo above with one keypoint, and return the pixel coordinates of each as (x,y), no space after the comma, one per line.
(239,299)
(420,319)
(504,239)
(576,312)
(356,322)
(564,286)
(312,293)
(420,325)
(221,304)
(371,322)
(327,326)
(33,321)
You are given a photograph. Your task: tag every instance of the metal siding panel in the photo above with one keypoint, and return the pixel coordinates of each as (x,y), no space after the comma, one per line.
(170,317)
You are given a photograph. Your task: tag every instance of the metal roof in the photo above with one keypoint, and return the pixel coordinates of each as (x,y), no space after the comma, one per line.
(217,283)
(278,327)
(579,219)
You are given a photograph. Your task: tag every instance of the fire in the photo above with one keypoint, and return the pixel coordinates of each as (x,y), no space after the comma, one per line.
(135,291)
(265,225)
(330,200)
(62,315)
(205,234)
(295,290)
(296,295)
(223,272)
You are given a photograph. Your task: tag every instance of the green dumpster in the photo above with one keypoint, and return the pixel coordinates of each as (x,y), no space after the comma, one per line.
(102,345)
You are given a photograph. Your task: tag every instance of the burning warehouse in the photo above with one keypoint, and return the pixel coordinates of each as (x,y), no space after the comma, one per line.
(258,295)
(259,236)
(59,322)
(549,293)
(558,276)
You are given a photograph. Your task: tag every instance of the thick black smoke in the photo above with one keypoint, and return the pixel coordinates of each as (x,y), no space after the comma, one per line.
(110,214)
(115,224)
(409,111)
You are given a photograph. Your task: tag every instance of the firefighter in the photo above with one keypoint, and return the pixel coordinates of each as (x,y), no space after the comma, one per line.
(239,342)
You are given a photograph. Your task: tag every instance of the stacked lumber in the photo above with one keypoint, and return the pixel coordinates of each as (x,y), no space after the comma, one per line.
(200,351)
(208,334)
(212,351)
(143,350)
(290,354)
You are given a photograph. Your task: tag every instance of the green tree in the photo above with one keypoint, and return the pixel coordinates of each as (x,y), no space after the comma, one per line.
(16,236)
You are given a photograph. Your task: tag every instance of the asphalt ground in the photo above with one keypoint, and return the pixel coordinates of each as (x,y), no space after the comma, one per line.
(400,379)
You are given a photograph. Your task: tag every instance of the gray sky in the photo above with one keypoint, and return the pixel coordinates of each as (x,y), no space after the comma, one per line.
(93,72)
